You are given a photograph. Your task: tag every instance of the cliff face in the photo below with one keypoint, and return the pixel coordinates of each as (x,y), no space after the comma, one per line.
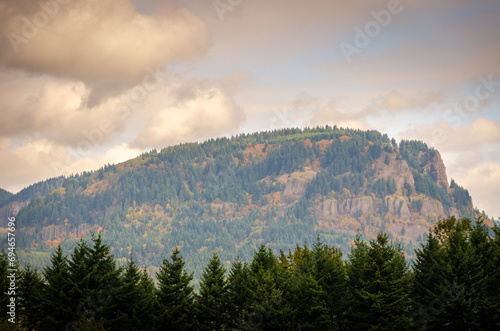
(436,169)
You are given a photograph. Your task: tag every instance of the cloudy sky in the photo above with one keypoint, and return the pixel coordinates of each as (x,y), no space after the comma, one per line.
(89,82)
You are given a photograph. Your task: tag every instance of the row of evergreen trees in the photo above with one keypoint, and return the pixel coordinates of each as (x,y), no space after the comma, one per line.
(452,285)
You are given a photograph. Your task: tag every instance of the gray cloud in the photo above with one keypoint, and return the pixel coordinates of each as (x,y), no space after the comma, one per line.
(107,44)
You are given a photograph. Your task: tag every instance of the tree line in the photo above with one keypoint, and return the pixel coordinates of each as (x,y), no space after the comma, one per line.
(452,285)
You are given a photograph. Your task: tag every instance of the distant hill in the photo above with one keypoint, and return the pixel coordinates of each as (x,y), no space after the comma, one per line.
(4,196)
(234,194)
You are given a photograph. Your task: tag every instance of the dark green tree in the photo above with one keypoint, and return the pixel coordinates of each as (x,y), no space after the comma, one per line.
(380,285)
(58,309)
(455,275)
(238,294)
(212,300)
(303,295)
(30,291)
(131,300)
(330,273)
(177,310)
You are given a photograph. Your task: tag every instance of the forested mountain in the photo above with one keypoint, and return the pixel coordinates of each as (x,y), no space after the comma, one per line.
(231,195)
(4,196)
(452,285)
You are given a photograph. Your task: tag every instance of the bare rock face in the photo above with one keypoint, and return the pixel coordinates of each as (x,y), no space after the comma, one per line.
(10,210)
(405,175)
(294,189)
(432,207)
(332,207)
(396,169)
(398,206)
(453,212)
(436,169)
(363,205)
(329,208)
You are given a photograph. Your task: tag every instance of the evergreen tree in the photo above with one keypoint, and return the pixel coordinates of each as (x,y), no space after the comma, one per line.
(266,309)
(238,294)
(130,299)
(426,283)
(306,298)
(329,271)
(95,283)
(148,307)
(454,285)
(30,289)
(175,296)
(58,309)
(380,284)
(212,301)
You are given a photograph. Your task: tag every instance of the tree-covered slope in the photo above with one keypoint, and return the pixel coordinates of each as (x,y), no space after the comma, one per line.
(234,194)
(4,196)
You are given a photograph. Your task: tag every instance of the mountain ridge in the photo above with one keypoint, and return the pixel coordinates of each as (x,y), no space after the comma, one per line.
(233,194)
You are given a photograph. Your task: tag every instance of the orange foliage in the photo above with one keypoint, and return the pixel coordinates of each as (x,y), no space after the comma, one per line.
(323,144)
(344,138)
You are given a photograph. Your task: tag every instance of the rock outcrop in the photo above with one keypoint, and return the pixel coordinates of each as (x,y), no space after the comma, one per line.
(398,206)
(436,170)
(331,208)
(431,207)
(396,169)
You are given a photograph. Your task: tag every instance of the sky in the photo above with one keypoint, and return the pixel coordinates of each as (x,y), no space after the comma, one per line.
(84,83)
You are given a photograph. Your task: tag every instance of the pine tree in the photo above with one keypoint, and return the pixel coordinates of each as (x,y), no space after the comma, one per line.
(303,294)
(104,281)
(329,271)
(426,283)
(238,294)
(30,289)
(148,307)
(212,300)
(175,296)
(455,279)
(380,284)
(266,309)
(58,308)
(130,299)
(95,283)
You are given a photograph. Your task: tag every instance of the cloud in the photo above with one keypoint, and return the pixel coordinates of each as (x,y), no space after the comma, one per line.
(446,137)
(106,44)
(53,109)
(191,111)
(395,101)
(482,182)
(50,160)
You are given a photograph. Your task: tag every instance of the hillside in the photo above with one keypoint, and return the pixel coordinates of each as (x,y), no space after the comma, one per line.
(233,194)
(4,196)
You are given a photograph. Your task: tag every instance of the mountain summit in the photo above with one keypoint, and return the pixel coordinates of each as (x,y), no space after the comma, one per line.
(233,194)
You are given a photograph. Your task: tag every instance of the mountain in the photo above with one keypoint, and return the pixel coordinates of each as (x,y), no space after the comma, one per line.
(233,194)
(4,196)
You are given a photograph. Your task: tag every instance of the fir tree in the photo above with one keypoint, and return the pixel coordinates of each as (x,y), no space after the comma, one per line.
(380,284)
(30,290)
(130,299)
(58,309)
(238,294)
(212,300)
(329,271)
(175,296)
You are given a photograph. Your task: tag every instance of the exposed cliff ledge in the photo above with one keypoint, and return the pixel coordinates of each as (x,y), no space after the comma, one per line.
(396,169)
(427,206)
(398,206)
(437,170)
(331,208)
